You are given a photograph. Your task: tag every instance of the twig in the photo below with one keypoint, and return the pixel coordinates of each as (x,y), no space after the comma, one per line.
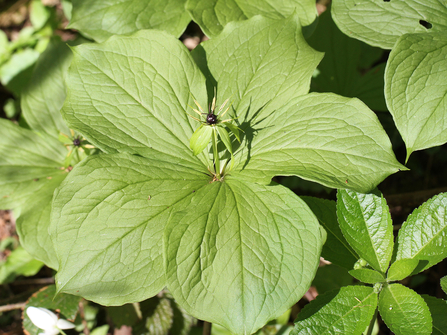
(12,307)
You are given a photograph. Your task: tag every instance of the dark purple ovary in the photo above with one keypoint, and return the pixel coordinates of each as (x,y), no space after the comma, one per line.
(211,118)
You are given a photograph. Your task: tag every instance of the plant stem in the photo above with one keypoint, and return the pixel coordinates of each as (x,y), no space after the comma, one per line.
(373,322)
(216,154)
(11,307)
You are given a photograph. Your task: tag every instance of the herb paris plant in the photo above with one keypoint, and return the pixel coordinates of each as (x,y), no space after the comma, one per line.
(148,214)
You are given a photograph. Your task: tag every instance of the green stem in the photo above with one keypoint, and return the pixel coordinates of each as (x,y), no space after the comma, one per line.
(216,154)
(373,322)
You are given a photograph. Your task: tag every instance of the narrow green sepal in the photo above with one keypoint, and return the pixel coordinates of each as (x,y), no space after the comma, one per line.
(234,129)
(225,139)
(200,139)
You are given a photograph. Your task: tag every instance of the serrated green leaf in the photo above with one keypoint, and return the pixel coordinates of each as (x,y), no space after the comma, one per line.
(415,89)
(336,249)
(366,224)
(33,223)
(18,263)
(401,269)
(444,284)
(342,69)
(367,276)
(381,23)
(100,19)
(345,311)
(213,15)
(200,139)
(43,97)
(47,298)
(109,220)
(423,235)
(404,311)
(438,311)
(261,243)
(132,101)
(234,129)
(329,139)
(28,161)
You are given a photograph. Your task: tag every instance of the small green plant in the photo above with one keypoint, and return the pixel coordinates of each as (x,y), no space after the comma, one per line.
(367,234)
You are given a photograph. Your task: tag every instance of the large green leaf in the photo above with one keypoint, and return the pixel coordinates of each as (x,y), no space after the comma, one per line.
(131,94)
(107,225)
(424,235)
(345,62)
(335,141)
(366,224)
(416,89)
(438,311)
(33,223)
(404,311)
(381,22)
(44,96)
(27,163)
(100,19)
(336,249)
(344,311)
(213,15)
(261,243)
(259,64)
